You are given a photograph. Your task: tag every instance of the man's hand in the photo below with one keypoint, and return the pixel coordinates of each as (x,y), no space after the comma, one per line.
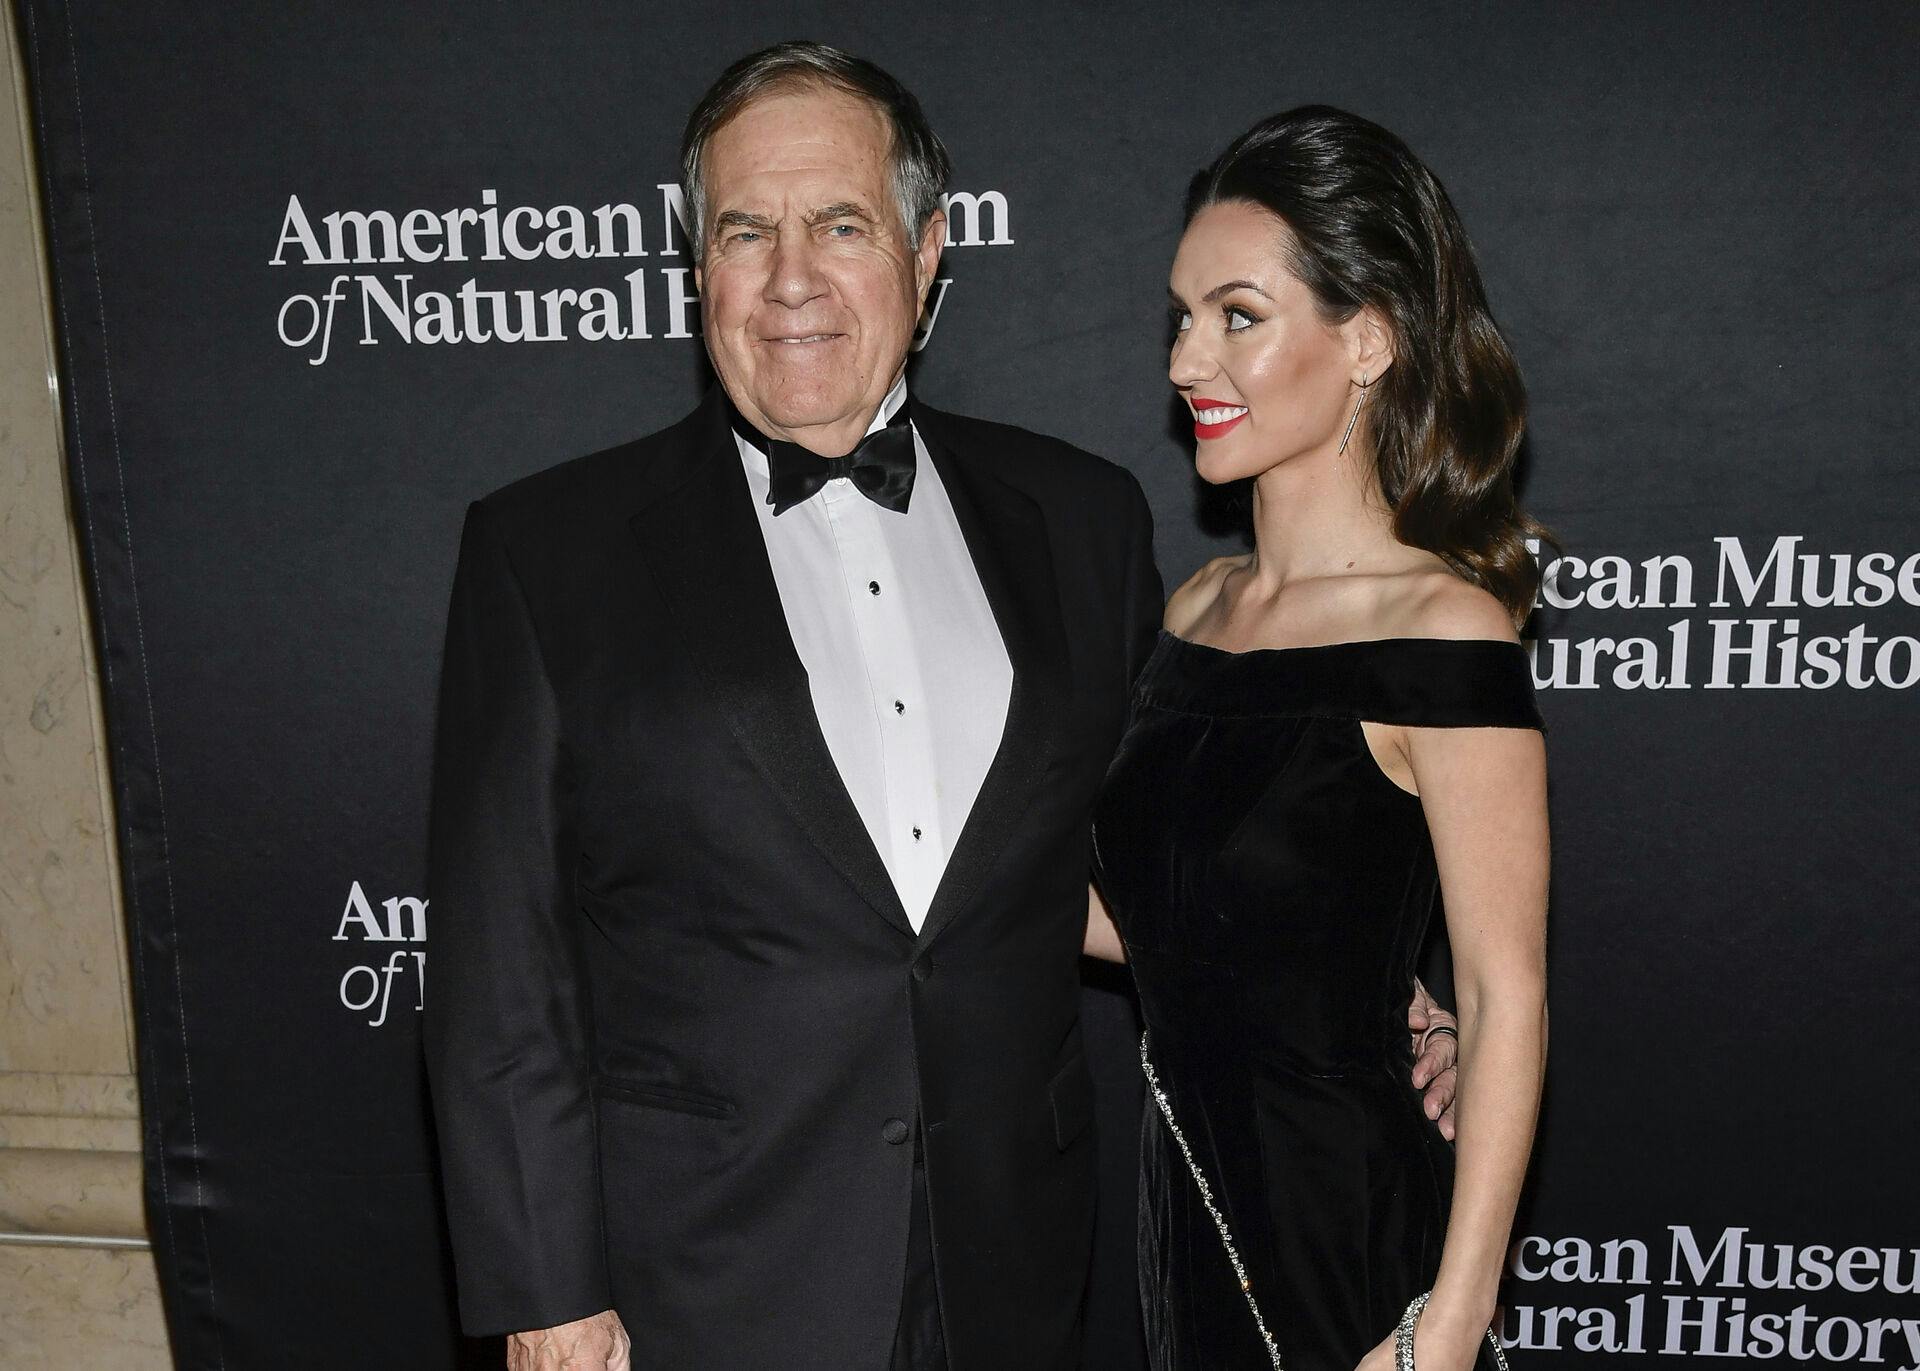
(1434,1056)
(595,1343)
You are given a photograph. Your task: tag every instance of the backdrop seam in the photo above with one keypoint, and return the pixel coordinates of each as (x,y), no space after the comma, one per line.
(72,397)
(153,730)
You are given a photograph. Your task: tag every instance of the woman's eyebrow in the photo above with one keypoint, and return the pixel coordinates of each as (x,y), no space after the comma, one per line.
(1226,288)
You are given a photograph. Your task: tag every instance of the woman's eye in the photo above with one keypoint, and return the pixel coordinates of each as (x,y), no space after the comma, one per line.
(1238,321)
(1179,320)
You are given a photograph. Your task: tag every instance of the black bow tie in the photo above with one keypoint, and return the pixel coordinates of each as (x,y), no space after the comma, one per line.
(881,466)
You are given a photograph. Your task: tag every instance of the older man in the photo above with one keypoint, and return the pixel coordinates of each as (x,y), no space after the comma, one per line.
(766,749)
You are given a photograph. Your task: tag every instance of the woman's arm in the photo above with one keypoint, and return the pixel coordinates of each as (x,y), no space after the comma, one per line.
(1484,791)
(1103,939)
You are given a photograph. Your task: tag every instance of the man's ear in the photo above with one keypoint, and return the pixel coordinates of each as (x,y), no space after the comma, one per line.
(926,264)
(698,285)
(1371,337)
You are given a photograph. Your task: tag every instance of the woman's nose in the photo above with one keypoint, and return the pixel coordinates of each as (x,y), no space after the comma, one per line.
(1188,363)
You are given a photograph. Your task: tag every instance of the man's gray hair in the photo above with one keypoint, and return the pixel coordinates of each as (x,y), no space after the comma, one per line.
(920,162)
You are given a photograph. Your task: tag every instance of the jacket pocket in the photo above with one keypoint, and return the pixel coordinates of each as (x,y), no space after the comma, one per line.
(675,1099)
(1071,1094)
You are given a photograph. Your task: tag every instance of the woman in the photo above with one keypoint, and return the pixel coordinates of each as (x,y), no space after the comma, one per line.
(1335,733)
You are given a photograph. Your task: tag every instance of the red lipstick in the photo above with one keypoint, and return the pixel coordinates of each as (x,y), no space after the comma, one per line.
(1204,430)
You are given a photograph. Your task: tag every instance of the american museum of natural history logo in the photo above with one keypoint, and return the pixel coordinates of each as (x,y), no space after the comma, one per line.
(388,940)
(1773,612)
(1729,1293)
(494,273)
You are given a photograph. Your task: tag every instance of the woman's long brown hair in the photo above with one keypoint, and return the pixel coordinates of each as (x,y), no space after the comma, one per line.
(1370,225)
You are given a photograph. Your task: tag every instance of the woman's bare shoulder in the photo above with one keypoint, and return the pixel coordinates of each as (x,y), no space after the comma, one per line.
(1440,604)
(1197,595)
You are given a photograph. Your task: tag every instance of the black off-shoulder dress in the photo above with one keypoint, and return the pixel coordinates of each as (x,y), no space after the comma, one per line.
(1273,889)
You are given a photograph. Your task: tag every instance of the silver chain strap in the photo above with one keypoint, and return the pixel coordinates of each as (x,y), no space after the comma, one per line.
(1403,1335)
(1206,1198)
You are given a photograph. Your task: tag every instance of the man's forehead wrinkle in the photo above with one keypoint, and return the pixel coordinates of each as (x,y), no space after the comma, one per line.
(822,142)
(839,209)
(818,161)
(774,184)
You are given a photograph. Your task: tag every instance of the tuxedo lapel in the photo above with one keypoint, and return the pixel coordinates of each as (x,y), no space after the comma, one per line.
(700,537)
(1006,535)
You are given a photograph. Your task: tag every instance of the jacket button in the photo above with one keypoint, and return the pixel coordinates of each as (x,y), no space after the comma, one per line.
(895,1131)
(923,969)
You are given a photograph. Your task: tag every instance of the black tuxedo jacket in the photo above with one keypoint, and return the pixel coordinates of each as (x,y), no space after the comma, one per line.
(680,1034)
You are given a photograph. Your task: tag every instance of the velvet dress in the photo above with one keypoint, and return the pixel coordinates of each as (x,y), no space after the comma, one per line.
(1273,888)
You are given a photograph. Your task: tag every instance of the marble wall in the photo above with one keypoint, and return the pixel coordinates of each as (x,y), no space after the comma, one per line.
(77,1286)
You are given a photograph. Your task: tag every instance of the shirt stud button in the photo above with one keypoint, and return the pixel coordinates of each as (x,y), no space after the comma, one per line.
(873,587)
(899,707)
(916,835)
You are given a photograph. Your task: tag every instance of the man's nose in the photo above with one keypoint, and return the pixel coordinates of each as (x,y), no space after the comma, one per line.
(795,278)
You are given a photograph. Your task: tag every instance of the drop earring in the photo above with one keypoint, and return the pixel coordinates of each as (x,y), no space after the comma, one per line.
(1365,382)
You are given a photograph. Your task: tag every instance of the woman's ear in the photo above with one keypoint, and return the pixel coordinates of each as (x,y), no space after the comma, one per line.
(1370,337)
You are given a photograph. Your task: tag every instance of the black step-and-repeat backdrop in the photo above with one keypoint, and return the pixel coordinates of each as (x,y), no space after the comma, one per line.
(326,272)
